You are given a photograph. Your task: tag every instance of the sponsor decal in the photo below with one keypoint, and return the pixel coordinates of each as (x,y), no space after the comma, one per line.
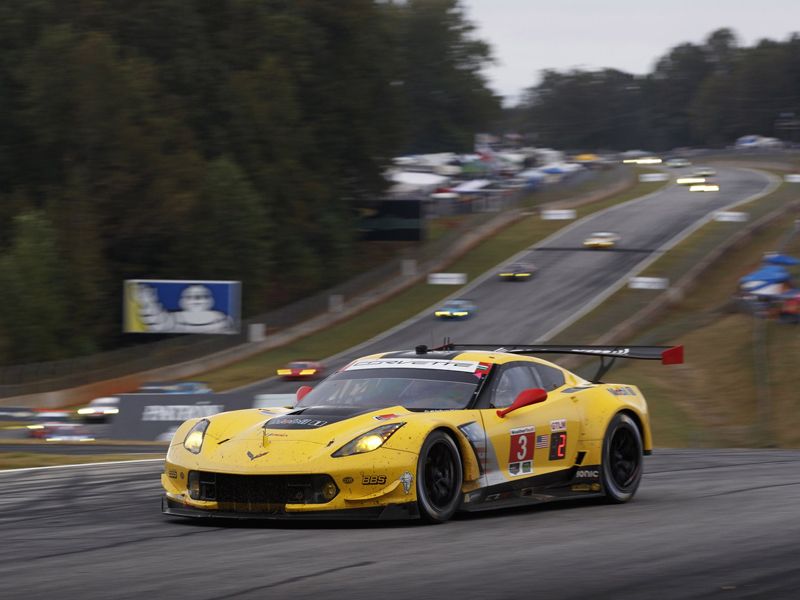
(173,474)
(295,422)
(373,479)
(180,412)
(558,445)
(347,480)
(414,363)
(578,388)
(558,425)
(406,479)
(591,473)
(622,390)
(585,487)
(542,441)
(520,453)
(385,417)
(618,352)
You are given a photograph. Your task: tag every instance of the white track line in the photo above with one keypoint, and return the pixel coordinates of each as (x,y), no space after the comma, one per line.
(89,464)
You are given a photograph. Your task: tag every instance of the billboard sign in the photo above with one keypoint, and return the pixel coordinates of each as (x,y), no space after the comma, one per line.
(157,416)
(170,306)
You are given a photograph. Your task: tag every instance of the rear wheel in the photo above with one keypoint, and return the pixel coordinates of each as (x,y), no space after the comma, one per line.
(439,478)
(623,460)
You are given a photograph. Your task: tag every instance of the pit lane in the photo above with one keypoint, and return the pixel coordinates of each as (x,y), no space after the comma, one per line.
(705,524)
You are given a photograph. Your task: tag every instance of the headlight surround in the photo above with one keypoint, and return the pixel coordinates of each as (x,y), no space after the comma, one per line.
(193,441)
(369,441)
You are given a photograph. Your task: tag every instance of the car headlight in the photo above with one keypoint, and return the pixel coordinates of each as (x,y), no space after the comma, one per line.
(193,441)
(367,442)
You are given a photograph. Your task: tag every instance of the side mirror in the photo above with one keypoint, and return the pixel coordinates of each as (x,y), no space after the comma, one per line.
(302,391)
(525,398)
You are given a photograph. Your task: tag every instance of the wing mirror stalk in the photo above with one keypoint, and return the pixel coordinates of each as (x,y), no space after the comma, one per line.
(525,398)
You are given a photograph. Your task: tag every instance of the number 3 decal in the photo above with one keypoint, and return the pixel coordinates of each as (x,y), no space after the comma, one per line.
(523,447)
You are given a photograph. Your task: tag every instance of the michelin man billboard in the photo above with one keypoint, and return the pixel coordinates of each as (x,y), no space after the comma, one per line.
(168,306)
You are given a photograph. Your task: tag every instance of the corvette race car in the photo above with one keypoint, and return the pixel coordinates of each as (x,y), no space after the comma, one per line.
(602,239)
(460,308)
(517,272)
(421,433)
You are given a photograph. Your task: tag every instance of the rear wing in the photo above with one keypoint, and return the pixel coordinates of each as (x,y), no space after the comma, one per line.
(668,355)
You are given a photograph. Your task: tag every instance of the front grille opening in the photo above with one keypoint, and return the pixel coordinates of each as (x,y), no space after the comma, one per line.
(261,489)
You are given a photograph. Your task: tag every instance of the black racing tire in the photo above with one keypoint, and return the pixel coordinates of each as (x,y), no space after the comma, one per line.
(439,478)
(623,460)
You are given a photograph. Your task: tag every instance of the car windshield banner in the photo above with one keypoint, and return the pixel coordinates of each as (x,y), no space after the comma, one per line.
(168,306)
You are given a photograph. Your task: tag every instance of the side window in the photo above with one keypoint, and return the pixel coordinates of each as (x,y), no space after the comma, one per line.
(551,378)
(512,381)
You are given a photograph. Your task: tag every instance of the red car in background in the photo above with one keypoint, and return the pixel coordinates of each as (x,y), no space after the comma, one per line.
(301,369)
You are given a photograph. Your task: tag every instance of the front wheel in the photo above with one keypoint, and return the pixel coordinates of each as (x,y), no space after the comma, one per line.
(623,460)
(439,478)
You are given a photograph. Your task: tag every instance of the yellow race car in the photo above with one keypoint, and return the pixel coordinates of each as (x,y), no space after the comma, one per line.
(421,434)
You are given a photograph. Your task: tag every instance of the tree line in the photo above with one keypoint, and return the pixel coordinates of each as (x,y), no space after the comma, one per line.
(706,95)
(207,139)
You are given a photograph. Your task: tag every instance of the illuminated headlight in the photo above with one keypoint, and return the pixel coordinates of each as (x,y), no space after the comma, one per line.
(460,314)
(367,442)
(284,371)
(308,371)
(690,180)
(193,441)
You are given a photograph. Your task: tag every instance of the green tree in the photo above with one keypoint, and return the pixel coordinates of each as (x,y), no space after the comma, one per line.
(34,292)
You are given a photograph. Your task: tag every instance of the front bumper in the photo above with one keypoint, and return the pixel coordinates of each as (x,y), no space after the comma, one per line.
(405,510)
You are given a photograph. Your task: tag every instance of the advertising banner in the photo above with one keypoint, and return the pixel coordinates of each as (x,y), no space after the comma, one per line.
(169,306)
(157,416)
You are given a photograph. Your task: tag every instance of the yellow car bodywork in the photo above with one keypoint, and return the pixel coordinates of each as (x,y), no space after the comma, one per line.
(382,482)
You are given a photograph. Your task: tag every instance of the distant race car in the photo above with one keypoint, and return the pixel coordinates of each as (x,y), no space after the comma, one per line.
(56,431)
(602,239)
(456,309)
(100,409)
(303,369)
(421,434)
(517,272)
(676,163)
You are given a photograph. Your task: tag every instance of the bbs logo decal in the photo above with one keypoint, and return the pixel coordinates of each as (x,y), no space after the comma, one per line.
(373,480)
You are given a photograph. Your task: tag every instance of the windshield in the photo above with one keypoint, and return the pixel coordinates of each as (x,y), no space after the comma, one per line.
(410,388)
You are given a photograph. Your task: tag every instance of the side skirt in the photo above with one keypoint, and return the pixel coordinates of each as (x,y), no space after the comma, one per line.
(576,482)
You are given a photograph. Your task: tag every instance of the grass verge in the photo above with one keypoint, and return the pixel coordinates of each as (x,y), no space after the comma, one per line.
(376,319)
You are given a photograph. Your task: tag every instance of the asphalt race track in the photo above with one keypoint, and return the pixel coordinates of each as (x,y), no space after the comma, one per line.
(569,276)
(705,524)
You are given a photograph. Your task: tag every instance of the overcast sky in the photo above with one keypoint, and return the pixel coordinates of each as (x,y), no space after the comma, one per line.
(530,35)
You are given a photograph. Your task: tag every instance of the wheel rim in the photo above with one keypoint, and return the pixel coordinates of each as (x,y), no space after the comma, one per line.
(625,458)
(440,475)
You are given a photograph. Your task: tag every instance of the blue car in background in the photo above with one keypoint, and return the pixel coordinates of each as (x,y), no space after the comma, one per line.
(459,308)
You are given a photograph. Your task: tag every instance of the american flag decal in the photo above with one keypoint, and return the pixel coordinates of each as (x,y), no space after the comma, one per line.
(542,441)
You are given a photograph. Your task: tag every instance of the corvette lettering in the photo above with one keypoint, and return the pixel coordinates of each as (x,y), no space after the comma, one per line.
(414,363)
